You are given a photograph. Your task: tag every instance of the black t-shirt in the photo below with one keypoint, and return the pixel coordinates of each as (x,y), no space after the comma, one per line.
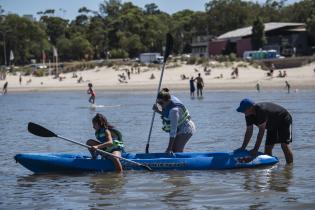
(274,114)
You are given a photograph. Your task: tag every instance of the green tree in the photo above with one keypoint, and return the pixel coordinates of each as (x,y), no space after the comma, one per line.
(227,15)
(25,38)
(81,48)
(55,27)
(131,43)
(258,34)
(299,11)
(110,8)
(181,29)
(152,9)
(97,35)
(310,25)
(64,47)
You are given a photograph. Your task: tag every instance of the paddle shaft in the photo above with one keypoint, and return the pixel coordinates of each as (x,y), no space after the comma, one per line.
(104,152)
(153,116)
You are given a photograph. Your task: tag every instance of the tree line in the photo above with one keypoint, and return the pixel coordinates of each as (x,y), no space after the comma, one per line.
(122,30)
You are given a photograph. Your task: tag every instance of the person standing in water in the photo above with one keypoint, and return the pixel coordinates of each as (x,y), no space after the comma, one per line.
(108,139)
(271,117)
(176,120)
(92,93)
(192,87)
(288,86)
(258,87)
(5,88)
(200,85)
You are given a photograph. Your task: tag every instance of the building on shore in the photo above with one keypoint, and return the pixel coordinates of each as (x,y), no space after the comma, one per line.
(287,39)
(200,46)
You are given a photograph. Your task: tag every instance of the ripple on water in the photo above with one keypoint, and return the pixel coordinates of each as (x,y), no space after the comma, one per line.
(219,128)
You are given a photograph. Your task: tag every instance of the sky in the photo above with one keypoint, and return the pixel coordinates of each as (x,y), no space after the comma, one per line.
(68,9)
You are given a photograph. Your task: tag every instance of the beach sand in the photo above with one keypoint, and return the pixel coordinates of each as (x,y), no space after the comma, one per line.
(105,78)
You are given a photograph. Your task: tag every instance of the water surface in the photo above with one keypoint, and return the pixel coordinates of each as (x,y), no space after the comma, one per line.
(219,128)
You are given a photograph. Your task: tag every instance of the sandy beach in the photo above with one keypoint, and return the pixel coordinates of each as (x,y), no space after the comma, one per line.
(104,78)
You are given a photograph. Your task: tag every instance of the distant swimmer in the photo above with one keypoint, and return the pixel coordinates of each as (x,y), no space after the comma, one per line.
(5,88)
(92,93)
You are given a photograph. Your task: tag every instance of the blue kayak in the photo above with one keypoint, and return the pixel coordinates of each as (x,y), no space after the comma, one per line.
(74,163)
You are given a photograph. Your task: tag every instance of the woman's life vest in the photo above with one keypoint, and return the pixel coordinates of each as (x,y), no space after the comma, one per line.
(175,102)
(116,137)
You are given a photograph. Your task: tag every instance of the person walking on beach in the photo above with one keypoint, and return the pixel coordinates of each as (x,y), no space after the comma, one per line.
(128,74)
(107,138)
(92,93)
(20,79)
(200,85)
(176,120)
(192,87)
(276,119)
(5,88)
(288,86)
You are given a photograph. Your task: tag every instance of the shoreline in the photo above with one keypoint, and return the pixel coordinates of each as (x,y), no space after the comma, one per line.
(107,79)
(226,87)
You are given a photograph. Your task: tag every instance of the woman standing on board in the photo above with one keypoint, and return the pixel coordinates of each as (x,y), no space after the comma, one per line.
(92,93)
(176,120)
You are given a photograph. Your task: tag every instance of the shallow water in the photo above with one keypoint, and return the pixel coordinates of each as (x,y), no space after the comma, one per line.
(219,128)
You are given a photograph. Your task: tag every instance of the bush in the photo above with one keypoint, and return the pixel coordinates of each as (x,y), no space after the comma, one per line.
(227,58)
(244,65)
(232,57)
(192,60)
(153,65)
(119,53)
(39,73)
(109,63)
(202,60)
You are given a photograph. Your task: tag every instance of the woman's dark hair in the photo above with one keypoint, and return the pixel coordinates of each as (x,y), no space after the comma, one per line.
(164,94)
(102,121)
(90,85)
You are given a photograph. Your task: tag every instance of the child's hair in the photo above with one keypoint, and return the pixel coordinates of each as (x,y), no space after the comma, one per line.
(102,121)
(90,85)
(164,94)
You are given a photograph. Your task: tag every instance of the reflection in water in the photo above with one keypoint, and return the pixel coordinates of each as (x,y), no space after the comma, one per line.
(281,180)
(106,189)
(46,191)
(280,187)
(179,190)
(268,179)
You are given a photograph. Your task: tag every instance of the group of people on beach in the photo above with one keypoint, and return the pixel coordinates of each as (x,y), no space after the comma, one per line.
(177,121)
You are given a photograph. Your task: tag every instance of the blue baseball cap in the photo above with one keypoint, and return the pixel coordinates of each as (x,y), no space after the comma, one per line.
(245,104)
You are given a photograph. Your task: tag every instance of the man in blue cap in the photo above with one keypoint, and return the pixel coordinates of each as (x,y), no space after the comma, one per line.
(276,119)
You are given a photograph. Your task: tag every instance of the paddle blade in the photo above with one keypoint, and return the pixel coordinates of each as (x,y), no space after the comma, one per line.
(39,130)
(169,46)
